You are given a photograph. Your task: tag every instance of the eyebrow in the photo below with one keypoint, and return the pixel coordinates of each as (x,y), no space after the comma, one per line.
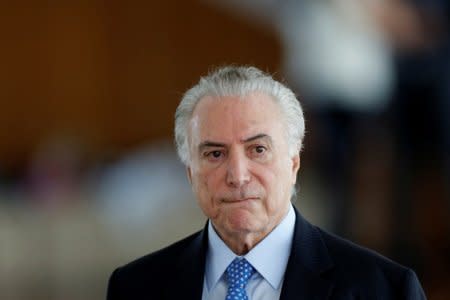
(257,137)
(207,144)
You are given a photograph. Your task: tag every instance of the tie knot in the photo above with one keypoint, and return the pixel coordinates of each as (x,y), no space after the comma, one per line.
(239,272)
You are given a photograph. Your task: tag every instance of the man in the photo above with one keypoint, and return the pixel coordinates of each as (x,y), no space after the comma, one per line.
(239,133)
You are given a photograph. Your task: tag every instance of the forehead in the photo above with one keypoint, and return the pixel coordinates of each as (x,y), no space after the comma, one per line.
(235,117)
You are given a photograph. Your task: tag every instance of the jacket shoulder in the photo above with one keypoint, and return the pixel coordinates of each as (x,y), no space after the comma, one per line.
(344,251)
(162,256)
(149,272)
(367,270)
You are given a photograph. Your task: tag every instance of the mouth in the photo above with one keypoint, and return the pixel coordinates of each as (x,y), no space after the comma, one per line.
(241,200)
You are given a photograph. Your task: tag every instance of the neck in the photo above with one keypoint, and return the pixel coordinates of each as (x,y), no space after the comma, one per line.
(241,243)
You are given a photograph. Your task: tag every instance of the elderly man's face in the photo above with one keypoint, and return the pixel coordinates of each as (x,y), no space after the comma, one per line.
(240,169)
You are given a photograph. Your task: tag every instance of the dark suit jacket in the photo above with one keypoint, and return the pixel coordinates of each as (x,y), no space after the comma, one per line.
(321,266)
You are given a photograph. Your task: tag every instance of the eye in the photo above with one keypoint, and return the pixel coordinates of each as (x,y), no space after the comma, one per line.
(214,155)
(258,150)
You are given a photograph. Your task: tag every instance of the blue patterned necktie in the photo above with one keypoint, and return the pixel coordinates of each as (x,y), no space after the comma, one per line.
(238,274)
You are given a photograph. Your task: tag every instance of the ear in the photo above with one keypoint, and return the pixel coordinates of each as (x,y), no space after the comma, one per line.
(295,167)
(189,174)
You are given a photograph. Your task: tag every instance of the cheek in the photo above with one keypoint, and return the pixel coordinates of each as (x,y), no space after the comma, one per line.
(275,181)
(202,195)
(205,184)
(267,178)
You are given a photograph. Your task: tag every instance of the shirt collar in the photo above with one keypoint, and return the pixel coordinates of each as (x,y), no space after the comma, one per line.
(277,244)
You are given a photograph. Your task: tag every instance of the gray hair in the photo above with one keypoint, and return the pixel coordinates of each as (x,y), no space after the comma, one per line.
(239,81)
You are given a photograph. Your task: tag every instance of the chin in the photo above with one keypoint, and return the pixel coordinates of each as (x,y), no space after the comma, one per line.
(243,221)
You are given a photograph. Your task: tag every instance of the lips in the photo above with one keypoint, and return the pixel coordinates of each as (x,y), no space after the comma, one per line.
(239,200)
(241,195)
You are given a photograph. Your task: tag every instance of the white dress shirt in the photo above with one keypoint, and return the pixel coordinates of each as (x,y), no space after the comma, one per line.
(269,258)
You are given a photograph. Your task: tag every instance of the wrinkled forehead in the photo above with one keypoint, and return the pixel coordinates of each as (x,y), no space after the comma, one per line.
(256,102)
(234,117)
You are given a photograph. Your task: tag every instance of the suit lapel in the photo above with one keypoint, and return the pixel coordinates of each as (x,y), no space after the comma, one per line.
(303,279)
(190,269)
(308,262)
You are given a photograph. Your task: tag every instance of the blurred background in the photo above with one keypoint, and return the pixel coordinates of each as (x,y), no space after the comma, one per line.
(89,179)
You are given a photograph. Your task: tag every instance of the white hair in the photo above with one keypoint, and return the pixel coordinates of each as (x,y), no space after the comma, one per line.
(239,81)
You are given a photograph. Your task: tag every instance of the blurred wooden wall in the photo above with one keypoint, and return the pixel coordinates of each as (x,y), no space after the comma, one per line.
(110,73)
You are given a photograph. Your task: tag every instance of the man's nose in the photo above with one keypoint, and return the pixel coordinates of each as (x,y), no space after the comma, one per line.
(237,170)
